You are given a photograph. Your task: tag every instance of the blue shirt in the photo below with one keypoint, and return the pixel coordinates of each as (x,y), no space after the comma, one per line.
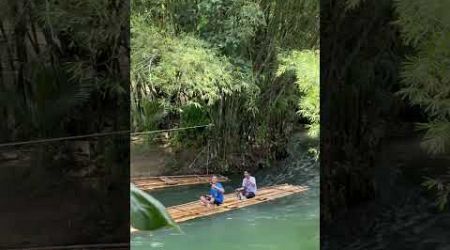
(216,194)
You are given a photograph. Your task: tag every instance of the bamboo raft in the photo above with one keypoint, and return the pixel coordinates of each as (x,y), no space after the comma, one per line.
(194,209)
(150,183)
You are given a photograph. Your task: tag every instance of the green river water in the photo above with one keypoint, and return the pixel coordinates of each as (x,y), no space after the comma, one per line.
(289,223)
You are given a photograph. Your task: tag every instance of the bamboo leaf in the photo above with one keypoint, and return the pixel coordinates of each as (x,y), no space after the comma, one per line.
(147,213)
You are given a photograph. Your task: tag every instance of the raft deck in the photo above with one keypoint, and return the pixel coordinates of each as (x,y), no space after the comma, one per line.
(150,183)
(194,209)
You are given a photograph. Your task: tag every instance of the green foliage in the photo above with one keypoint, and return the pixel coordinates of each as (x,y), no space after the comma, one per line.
(425,75)
(54,95)
(358,82)
(193,115)
(229,25)
(216,62)
(436,138)
(294,23)
(189,72)
(305,66)
(64,72)
(146,213)
(441,187)
(56,60)
(178,71)
(148,115)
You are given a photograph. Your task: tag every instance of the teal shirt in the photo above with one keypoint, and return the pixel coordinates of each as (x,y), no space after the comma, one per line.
(216,194)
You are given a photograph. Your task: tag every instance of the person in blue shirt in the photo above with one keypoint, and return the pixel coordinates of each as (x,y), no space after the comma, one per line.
(215,195)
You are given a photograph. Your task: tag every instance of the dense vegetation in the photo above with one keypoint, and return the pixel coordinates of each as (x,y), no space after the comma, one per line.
(426,78)
(64,71)
(249,68)
(381,74)
(51,63)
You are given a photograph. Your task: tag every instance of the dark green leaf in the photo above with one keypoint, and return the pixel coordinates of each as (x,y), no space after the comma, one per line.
(147,213)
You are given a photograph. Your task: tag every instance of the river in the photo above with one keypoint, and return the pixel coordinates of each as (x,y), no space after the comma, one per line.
(289,223)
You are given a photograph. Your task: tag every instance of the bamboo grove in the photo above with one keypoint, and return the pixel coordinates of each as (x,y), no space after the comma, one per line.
(64,72)
(250,68)
(392,72)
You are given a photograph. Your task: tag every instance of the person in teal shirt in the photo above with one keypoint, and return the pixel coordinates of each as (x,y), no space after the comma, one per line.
(215,195)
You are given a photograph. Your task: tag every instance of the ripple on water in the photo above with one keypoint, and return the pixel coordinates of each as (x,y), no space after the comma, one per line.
(264,217)
(175,234)
(262,246)
(136,242)
(157,244)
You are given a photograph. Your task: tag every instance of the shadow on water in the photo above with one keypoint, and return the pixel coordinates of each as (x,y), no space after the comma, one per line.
(288,223)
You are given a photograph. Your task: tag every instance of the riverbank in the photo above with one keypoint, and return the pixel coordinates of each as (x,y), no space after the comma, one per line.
(160,158)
